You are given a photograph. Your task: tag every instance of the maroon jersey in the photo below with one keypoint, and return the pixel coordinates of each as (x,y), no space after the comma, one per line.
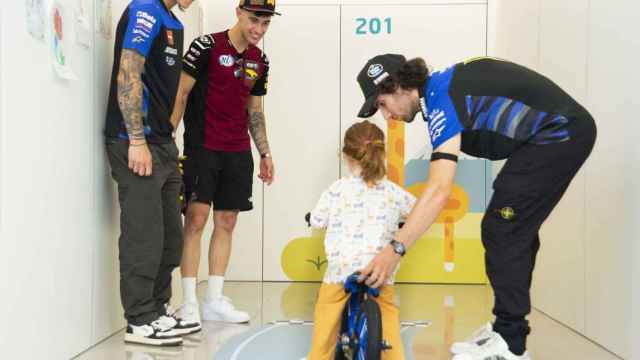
(216,114)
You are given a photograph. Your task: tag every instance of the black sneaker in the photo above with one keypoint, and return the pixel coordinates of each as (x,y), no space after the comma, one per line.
(154,333)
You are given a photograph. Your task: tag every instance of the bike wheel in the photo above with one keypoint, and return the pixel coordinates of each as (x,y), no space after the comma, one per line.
(374,326)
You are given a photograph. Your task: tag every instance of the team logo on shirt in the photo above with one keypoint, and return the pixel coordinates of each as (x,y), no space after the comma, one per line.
(205,39)
(171,61)
(141,33)
(146,16)
(423,107)
(170,37)
(251,74)
(226,60)
(437,123)
(145,21)
(170,50)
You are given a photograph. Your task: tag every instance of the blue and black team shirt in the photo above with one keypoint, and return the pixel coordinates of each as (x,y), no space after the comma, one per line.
(497,106)
(149,28)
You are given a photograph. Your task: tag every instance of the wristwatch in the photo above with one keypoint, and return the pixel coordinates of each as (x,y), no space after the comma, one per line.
(398,247)
(265,155)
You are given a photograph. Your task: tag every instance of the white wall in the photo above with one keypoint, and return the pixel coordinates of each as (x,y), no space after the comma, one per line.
(58,209)
(303,106)
(1,111)
(583,276)
(634,326)
(107,309)
(612,96)
(47,182)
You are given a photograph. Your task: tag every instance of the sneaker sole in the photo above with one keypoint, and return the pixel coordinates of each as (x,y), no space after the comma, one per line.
(136,339)
(219,318)
(187,331)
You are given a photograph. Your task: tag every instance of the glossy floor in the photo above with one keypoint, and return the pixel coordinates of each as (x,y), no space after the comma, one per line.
(453,310)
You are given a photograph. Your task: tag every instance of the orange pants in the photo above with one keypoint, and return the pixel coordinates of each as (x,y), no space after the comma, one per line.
(328,317)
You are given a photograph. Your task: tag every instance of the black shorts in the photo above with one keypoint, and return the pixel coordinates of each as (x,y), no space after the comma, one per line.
(219,177)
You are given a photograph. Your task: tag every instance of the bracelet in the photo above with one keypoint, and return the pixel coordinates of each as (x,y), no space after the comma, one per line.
(265,155)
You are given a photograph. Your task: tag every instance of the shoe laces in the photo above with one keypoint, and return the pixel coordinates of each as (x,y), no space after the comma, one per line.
(158,326)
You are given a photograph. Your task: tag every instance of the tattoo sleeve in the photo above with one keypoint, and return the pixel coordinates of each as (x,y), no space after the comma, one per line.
(258,130)
(130,90)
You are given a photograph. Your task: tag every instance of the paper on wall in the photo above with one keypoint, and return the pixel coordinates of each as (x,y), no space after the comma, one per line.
(81,26)
(57,39)
(104,24)
(35,17)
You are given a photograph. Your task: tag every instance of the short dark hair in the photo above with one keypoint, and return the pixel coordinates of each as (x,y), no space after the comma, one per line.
(412,75)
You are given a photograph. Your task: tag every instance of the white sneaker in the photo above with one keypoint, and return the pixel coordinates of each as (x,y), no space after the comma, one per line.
(168,322)
(493,348)
(156,333)
(188,319)
(473,341)
(222,309)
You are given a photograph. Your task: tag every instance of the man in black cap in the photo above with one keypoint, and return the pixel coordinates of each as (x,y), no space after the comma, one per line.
(223,80)
(491,109)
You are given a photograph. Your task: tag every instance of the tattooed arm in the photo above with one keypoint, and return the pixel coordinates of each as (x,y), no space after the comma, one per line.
(257,124)
(258,130)
(130,90)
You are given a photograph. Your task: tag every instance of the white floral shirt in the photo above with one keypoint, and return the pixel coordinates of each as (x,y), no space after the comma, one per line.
(360,222)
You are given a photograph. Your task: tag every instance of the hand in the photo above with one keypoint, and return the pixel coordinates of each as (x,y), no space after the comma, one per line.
(380,268)
(266,170)
(140,161)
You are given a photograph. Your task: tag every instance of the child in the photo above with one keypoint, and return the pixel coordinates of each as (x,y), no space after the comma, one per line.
(361,213)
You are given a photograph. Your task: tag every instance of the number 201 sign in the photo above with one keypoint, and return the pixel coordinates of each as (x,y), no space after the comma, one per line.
(373,26)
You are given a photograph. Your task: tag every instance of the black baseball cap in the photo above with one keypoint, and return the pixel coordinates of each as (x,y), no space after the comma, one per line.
(373,73)
(259,6)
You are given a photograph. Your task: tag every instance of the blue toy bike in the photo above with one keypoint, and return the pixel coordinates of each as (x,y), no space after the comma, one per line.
(360,335)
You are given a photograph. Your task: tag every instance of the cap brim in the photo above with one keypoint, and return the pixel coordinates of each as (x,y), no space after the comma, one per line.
(260,10)
(369,108)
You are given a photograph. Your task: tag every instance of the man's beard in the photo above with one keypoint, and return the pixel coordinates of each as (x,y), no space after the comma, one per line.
(182,8)
(412,115)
